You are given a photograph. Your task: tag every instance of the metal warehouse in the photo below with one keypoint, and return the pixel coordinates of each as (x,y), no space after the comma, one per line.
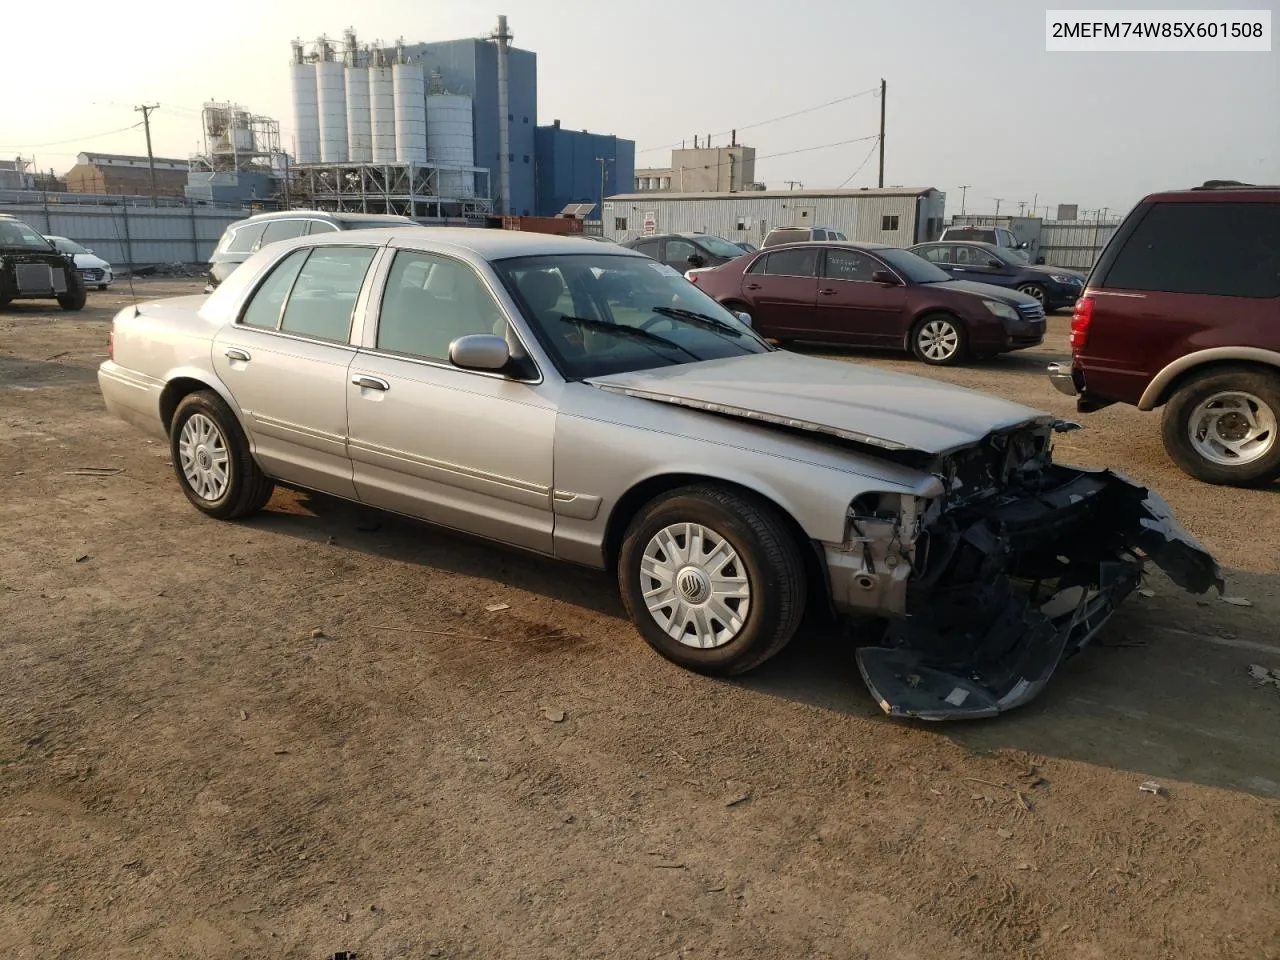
(897,216)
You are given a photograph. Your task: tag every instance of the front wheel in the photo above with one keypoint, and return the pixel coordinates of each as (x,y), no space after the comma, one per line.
(76,295)
(713,579)
(1037,291)
(102,286)
(1221,426)
(212,460)
(939,340)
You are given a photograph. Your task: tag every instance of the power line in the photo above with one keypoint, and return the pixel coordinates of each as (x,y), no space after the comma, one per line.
(58,143)
(862,164)
(787,153)
(785,116)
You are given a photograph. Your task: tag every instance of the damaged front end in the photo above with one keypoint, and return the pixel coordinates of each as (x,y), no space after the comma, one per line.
(1016,565)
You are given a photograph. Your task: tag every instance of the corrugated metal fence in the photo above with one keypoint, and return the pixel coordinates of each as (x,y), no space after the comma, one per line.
(131,233)
(1074,243)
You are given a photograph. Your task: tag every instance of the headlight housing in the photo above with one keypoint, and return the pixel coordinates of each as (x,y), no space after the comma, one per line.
(1002,310)
(1067,279)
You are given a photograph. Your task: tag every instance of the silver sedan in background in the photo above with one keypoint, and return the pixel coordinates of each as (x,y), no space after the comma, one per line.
(582,401)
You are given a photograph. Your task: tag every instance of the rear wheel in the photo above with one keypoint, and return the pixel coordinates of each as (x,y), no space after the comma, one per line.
(939,339)
(212,461)
(714,580)
(76,295)
(1223,426)
(102,286)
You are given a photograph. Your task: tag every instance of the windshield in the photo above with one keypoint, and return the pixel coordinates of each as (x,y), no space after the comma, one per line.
(915,268)
(15,233)
(68,246)
(719,247)
(598,314)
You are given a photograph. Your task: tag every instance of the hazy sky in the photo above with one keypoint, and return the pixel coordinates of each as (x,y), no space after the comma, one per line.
(973,96)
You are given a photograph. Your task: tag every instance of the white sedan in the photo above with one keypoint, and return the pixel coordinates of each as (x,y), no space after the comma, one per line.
(94,270)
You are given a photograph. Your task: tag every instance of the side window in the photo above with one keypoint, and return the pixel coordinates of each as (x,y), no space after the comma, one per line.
(648,247)
(264,306)
(324,295)
(282,230)
(1219,249)
(429,302)
(757,265)
(322,226)
(849,265)
(938,254)
(801,262)
(246,237)
(678,251)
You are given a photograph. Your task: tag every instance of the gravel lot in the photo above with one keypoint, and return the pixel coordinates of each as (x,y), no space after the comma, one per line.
(186,770)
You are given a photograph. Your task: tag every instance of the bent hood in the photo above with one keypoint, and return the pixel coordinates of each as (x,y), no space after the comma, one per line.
(892,411)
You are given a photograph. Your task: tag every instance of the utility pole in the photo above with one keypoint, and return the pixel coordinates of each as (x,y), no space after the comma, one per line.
(146,109)
(883,88)
(1022,207)
(964,188)
(602,161)
(997,200)
(792,184)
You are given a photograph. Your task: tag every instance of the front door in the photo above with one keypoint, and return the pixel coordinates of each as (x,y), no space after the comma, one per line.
(781,288)
(285,362)
(982,266)
(464,449)
(676,253)
(854,308)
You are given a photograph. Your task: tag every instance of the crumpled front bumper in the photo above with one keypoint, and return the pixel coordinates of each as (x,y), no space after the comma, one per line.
(1016,587)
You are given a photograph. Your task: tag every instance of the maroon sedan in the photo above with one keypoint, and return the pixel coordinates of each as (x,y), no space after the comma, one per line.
(873,296)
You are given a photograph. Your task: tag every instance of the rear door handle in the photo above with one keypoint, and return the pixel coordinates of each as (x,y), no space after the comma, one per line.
(753,286)
(370,383)
(235,353)
(827,293)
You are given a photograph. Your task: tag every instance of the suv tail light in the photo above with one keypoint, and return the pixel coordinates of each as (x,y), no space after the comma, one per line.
(1081,319)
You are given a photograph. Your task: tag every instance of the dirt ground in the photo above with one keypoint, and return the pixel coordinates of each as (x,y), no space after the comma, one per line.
(187,771)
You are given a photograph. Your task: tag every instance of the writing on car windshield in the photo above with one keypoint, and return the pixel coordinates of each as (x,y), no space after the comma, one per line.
(596,315)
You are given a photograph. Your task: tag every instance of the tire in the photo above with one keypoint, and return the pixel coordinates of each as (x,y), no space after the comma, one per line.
(933,329)
(1218,404)
(761,550)
(1037,291)
(244,488)
(102,286)
(76,295)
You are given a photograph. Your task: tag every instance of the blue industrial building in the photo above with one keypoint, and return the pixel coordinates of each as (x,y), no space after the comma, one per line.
(471,67)
(568,168)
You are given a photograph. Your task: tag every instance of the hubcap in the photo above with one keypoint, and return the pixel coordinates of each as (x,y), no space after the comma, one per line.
(1232,428)
(1031,290)
(938,339)
(694,585)
(202,454)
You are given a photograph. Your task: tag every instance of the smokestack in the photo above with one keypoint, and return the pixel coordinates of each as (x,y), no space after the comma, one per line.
(503,37)
(733,138)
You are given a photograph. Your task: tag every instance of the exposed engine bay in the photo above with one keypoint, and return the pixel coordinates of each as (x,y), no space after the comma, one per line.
(1014,567)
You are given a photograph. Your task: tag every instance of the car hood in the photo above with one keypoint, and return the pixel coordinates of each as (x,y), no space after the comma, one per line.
(1045,269)
(89,261)
(988,291)
(889,411)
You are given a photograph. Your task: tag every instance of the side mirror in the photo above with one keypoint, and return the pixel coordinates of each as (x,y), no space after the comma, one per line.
(1023,245)
(695,260)
(480,351)
(885,277)
(744,318)
(88,249)
(993,262)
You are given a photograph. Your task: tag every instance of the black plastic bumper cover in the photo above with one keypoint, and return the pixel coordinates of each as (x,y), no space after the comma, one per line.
(984,645)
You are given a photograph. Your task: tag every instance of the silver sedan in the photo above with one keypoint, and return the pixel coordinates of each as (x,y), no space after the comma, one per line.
(581,401)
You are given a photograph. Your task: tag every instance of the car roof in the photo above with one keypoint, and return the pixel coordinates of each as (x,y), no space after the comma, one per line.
(487,243)
(957,243)
(1219,191)
(324,214)
(844,244)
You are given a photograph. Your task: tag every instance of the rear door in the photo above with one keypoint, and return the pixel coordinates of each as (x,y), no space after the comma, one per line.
(782,288)
(285,362)
(853,308)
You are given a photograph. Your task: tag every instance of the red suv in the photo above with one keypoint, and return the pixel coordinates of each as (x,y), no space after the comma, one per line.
(1182,310)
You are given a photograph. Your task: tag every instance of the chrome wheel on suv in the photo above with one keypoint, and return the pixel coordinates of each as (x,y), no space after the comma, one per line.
(1223,425)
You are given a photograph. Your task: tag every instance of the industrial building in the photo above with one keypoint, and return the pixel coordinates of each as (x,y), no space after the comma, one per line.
(242,161)
(116,173)
(574,166)
(897,216)
(702,169)
(438,130)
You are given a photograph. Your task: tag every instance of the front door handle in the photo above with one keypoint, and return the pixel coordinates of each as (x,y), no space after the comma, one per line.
(827,293)
(235,353)
(370,383)
(753,286)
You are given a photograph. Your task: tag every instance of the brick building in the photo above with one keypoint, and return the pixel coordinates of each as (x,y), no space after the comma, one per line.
(115,173)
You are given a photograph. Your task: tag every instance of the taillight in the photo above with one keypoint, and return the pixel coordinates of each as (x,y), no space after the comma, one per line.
(1081,318)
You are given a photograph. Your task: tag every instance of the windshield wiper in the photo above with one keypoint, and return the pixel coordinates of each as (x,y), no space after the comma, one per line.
(697,319)
(622,330)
